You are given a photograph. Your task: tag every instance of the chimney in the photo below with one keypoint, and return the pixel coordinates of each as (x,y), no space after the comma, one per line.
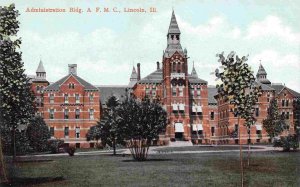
(157,64)
(72,69)
(139,71)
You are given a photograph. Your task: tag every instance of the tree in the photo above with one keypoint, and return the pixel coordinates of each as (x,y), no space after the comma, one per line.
(274,123)
(16,100)
(296,111)
(109,128)
(93,134)
(38,134)
(141,122)
(248,113)
(239,89)
(16,96)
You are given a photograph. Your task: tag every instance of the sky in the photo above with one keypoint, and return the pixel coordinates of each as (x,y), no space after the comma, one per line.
(105,46)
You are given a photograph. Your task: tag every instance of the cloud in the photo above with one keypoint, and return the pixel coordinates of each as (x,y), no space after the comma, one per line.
(276,60)
(272,26)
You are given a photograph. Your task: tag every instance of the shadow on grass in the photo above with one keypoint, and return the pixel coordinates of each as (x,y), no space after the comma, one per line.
(149,160)
(31,181)
(33,161)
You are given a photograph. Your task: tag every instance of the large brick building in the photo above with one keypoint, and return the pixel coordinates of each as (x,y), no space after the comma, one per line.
(71,105)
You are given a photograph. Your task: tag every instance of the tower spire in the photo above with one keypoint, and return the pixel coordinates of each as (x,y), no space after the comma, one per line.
(261,75)
(133,77)
(173,28)
(40,71)
(194,72)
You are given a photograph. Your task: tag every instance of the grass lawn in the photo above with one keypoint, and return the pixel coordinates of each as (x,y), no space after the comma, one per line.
(206,169)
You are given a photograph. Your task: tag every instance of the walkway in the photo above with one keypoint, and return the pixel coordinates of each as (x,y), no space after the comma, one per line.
(156,150)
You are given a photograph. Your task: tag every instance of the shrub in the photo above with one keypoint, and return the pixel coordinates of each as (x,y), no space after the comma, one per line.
(287,143)
(70,150)
(54,145)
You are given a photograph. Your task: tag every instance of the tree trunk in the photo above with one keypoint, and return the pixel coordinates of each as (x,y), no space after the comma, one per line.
(3,177)
(249,141)
(249,154)
(114,146)
(241,154)
(14,145)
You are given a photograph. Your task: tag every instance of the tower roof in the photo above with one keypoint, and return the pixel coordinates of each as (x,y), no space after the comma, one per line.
(133,78)
(194,72)
(173,28)
(40,68)
(261,70)
(134,75)
(261,75)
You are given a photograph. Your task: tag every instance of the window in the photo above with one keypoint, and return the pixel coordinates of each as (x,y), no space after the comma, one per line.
(51,114)
(286,102)
(236,127)
(257,112)
(282,103)
(153,91)
(212,131)
(287,115)
(268,99)
(51,98)
(66,114)
(212,115)
(66,131)
(258,132)
(77,100)
(77,114)
(173,91)
(38,89)
(180,91)
(147,91)
(174,67)
(91,113)
(51,131)
(283,114)
(77,132)
(71,86)
(66,97)
(192,91)
(91,97)
(198,91)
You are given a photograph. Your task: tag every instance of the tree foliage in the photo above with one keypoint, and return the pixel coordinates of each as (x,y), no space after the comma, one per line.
(238,85)
(16,102)
(38,134)
(274,123)
(296,111)
(141,122)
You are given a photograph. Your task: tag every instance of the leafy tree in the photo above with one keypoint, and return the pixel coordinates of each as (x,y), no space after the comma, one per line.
(141,122)
(296,111)
(15,92)
(274,123)
(93,134)
(38,134)
(108,129)
(239,89)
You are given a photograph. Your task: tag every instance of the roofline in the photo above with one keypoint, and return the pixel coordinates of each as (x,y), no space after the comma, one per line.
(69,77)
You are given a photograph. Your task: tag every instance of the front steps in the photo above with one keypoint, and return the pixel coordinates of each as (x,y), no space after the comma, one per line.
(180,143)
